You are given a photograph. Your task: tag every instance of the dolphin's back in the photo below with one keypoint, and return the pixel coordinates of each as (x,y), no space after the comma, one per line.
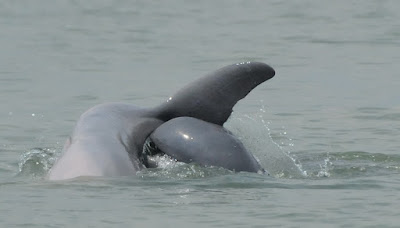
(188,140)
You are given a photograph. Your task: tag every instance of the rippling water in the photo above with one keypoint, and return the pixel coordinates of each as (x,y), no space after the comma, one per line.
(326,127)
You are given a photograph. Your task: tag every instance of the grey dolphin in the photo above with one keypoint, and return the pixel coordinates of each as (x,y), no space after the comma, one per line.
(108,138)
(188,140)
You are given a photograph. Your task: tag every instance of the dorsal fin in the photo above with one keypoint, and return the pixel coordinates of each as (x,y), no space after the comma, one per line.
(211,98)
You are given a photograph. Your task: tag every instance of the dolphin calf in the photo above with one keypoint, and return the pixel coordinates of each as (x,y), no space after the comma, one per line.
(191,140)
(108,138)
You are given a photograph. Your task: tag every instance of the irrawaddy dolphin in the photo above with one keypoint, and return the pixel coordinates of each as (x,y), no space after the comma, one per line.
(108,139)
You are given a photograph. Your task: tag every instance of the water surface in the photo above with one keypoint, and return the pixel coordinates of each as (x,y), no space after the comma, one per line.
(326,127)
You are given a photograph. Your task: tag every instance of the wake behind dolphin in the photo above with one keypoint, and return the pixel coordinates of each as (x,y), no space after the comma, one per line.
(108,139)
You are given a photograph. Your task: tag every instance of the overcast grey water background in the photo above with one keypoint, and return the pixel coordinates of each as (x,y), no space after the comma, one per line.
(326,126)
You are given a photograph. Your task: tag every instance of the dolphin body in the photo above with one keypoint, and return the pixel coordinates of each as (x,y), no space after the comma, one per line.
(108,138)
(191,140)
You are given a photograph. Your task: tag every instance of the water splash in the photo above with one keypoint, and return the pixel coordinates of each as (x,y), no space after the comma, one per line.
(168,168)
(254,132)
(324,172)
(36,162)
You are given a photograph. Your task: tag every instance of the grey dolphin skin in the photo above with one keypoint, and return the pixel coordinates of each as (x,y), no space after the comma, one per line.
(108,139)
(191,140)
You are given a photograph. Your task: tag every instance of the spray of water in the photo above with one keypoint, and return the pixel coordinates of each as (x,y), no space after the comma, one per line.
(256,135)
(36,162)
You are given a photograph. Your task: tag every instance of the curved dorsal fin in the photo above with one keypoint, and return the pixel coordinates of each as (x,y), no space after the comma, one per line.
(211,98)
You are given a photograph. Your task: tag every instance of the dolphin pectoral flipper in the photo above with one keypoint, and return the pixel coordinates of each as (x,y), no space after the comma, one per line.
(211,98)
